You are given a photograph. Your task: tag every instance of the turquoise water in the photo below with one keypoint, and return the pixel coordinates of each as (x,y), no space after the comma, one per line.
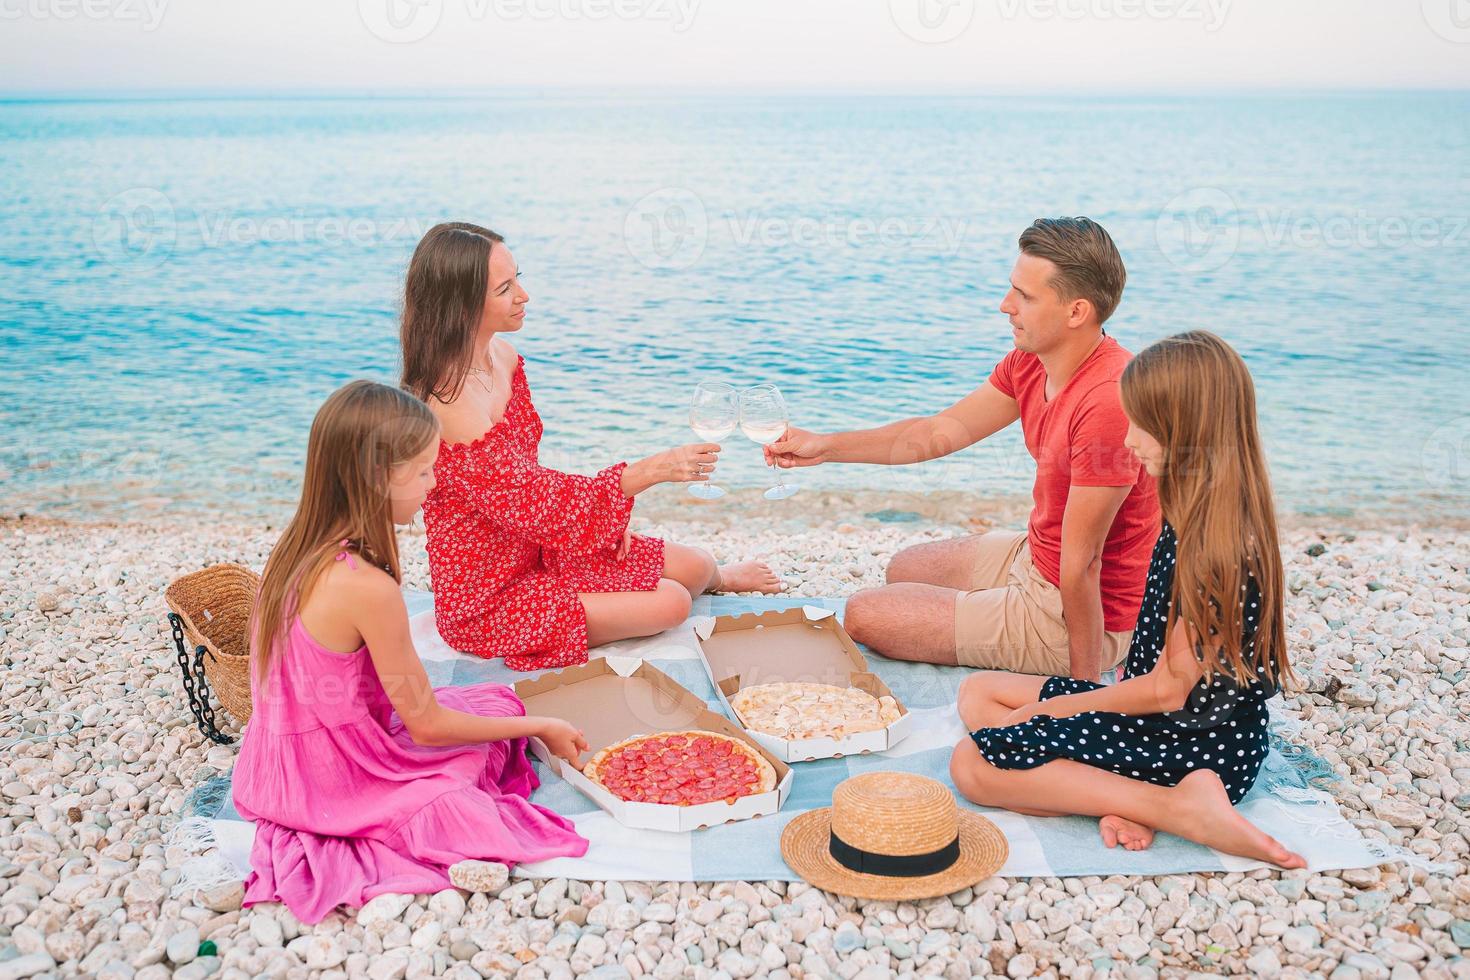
(181,283)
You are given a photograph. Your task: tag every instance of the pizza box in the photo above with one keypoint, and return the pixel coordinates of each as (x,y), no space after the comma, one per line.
(614,698)
(806,644)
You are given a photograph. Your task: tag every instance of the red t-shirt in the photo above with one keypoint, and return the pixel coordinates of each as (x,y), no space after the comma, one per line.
(1077,440)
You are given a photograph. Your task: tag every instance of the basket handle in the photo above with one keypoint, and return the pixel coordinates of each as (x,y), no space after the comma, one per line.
(196,684)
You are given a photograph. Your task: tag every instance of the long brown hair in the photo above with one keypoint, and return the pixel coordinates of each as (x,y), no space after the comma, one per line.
(360,432)
(1193,394)
(443,299)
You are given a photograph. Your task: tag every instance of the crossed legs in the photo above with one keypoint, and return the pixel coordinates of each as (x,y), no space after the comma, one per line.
(687,572)
(1129,810)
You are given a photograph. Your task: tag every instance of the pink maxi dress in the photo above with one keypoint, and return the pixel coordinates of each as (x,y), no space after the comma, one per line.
(346,806)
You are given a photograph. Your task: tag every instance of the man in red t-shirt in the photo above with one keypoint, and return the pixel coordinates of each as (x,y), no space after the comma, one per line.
(1062,598)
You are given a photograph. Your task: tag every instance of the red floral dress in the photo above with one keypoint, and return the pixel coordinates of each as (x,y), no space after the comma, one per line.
(511,543)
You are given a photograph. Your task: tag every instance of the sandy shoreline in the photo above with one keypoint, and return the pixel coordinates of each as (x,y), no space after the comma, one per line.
(100,752)
(957,508)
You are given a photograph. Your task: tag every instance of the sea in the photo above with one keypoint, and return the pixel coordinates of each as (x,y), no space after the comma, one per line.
(184,280)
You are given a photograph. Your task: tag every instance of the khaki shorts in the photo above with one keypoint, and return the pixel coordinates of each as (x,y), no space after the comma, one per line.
(1012,617)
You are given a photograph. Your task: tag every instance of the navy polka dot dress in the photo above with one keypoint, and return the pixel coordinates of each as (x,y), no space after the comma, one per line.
(1221,727)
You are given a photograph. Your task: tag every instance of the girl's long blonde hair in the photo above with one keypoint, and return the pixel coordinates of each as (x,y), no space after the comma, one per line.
(359,434)
(1193,394)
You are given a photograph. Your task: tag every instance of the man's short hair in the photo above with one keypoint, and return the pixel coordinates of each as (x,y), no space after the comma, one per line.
(1088,264)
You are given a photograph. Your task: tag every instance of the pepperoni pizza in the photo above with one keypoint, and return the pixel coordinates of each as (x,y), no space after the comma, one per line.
(681,768)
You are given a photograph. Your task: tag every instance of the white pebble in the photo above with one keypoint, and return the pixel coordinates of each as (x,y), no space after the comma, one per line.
(266,931)
(182,946)
(383,908)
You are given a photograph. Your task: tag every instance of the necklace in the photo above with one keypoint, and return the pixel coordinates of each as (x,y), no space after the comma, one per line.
(481,374)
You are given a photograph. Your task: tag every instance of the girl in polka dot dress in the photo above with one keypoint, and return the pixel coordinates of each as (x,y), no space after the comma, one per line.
(1177,742)
(529,563)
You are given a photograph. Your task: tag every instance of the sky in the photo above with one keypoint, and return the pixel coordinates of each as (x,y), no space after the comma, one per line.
(869,46)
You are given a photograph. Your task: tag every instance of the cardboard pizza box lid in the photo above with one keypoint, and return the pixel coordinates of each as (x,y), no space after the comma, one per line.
(801,644)
(614,698)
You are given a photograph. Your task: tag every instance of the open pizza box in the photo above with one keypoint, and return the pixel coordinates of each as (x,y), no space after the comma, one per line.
(806,644)
(614,698)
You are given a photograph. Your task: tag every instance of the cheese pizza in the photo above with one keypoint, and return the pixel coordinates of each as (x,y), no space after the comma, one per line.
(681,768)
(799,710)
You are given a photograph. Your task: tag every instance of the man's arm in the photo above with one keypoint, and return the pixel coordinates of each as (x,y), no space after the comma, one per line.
(1085,525)
(983,412)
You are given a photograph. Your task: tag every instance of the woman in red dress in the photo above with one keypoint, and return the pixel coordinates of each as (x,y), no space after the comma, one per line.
(529,563)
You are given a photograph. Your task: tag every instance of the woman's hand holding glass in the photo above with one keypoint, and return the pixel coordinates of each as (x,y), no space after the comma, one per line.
(683,464)
(714,412)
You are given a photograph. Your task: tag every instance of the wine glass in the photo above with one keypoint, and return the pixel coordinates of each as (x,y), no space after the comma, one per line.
(763,418)
(713,413)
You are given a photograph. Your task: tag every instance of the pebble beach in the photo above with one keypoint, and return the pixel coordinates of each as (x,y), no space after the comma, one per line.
(98,753)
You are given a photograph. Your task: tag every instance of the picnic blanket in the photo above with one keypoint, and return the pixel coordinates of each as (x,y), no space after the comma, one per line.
(1286,801)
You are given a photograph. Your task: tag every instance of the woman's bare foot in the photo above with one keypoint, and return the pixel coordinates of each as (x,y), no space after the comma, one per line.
(747,576)
(1205,813)
(1133,836)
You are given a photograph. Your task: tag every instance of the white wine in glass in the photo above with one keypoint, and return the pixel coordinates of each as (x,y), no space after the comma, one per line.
(764,419)
(714,412)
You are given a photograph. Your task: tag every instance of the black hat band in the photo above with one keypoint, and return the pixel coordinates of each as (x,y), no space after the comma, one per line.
(893,865)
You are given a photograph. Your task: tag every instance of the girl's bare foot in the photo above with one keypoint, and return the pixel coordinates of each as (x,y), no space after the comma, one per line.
(1206,815)
(1133,836)
(747,576)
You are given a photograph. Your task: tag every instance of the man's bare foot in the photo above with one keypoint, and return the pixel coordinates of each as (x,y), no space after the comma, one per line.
(1203,811)
(1133,836)
(747,576)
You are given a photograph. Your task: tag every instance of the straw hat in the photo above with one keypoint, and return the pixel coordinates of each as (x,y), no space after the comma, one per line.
(903,830)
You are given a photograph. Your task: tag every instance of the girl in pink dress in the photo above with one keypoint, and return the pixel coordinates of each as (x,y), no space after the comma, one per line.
(362,779)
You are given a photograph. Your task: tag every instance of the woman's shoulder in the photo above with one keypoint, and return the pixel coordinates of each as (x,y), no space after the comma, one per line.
(504,348)
(462,421)
(507,354)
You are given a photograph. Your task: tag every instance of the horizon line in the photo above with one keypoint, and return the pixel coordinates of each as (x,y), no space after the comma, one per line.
(449,94)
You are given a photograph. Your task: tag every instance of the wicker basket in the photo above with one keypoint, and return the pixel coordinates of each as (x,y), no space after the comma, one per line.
(211,609)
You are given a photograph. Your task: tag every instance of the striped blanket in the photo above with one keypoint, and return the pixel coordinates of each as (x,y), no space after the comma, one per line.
(1284,802)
